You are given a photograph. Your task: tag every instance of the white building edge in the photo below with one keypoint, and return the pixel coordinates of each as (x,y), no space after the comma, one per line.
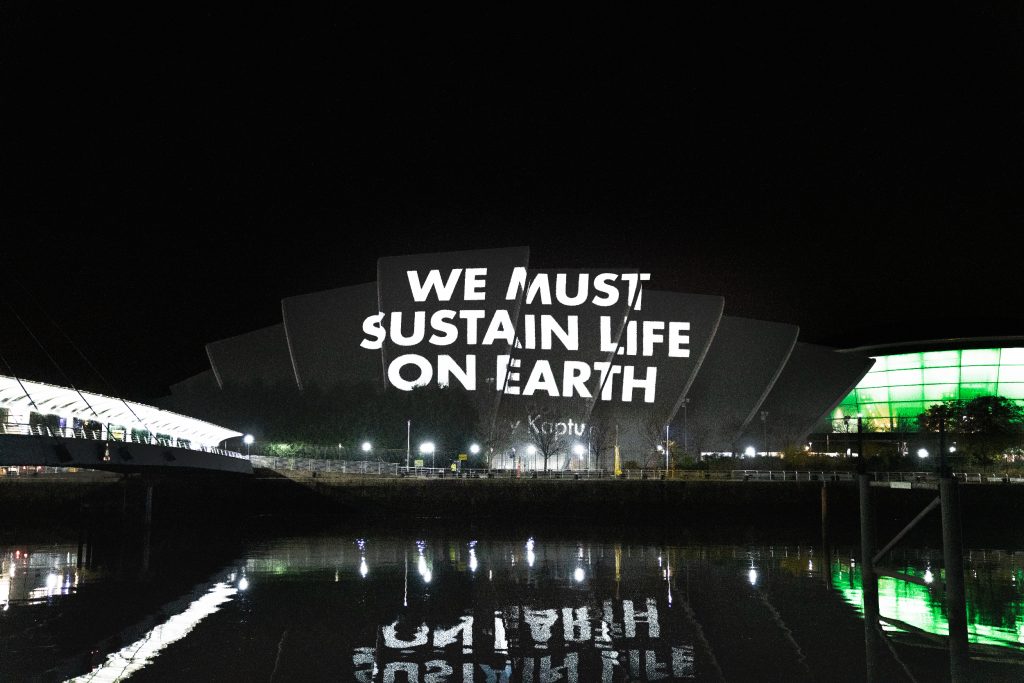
(117,418)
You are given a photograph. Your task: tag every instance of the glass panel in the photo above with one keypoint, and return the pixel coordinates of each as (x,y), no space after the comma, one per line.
(873,379)
(1014,391)
(979,373)
(979,357)
(941,359)
(904,361)
(973,390)
(879,395)
(1011,373)
(942,375)
(876,410)
(903,377)
(908,408)
(1012,356)
(940,392)
(911,393)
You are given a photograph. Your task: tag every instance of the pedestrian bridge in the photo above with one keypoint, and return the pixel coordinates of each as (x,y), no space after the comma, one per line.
(53,426)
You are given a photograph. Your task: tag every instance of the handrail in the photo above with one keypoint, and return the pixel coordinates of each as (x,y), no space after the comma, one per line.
(103,434)
(882,477)
(317,465)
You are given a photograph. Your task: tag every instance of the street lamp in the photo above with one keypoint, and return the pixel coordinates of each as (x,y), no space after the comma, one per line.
(666,449)
(532,450)
(427,448)
(367,447)
(686,434)
(764,425)
(248,441)
(579,450)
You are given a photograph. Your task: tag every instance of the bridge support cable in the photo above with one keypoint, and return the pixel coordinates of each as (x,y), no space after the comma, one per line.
(81,354)
(50,357)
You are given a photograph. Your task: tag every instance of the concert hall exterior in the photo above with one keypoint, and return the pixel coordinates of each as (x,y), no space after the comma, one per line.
(739,384)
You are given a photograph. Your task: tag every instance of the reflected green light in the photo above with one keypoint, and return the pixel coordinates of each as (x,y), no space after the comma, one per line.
(917,606)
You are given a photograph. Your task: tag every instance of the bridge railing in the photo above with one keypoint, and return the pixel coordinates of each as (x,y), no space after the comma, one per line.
(20,429)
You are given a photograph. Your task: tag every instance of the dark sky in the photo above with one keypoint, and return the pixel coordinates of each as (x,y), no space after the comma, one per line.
(168,178)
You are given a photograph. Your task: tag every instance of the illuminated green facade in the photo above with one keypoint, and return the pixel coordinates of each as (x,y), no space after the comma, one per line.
(900,387)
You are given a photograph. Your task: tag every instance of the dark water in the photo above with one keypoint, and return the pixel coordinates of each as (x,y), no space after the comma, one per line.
(393,605)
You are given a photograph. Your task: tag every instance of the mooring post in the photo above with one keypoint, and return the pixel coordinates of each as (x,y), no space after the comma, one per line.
(148,519)
(953,558)
(869,581)
(147,527)
(81,534)
(826,551)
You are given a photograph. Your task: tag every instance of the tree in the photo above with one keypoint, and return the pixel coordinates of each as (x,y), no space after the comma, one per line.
(985,426)
(949,412)
(546,438)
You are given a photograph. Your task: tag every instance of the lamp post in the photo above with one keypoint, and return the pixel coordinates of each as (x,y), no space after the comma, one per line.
(578,450)
(764,426)
(248,441)
(686,434)
(666,450)
(846,428)
(408,432)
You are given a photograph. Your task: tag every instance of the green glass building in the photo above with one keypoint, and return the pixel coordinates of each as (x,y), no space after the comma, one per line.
(901,386)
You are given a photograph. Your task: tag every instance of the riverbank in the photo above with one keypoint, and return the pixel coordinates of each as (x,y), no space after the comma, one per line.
(199,501)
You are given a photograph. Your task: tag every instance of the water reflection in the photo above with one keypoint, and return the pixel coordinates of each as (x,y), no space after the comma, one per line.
(431,608)
(137,655)
(995,603)
(37,576)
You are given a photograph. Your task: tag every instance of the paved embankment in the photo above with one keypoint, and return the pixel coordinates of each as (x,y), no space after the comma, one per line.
(195,501)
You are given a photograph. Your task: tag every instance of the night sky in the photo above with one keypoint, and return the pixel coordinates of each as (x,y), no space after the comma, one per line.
(168,178)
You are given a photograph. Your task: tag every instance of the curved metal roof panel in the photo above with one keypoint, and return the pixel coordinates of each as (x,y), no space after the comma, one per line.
(50,399)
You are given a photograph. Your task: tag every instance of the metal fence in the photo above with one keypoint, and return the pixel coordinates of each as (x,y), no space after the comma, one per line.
(385,469)
(883,477)
(321,466)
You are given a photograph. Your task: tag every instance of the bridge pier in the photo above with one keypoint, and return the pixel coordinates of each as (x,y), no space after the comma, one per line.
(147,521)
(869,581)
(953,558)
(81,535)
